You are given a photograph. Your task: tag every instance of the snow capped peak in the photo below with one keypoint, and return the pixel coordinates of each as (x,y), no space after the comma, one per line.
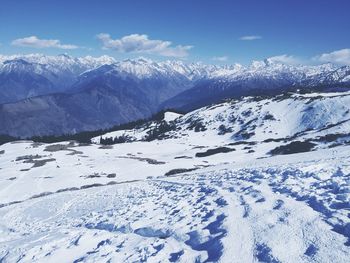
(228,71)
(269,69)
(144,68)
(62,60)
(97,61)
(326,66)
(138,67)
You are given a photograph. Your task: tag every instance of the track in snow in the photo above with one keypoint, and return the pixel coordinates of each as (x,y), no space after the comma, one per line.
(230,216)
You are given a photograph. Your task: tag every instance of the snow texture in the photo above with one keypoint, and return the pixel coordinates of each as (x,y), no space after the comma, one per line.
(161,201)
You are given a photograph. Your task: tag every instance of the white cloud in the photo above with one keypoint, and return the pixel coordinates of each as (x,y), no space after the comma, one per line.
(285,59)
(136,43)
(340,57)
(221,59)
(35,42)
(250,38)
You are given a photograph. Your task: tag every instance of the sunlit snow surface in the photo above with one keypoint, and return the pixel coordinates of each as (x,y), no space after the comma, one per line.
(159,202)
(270,210)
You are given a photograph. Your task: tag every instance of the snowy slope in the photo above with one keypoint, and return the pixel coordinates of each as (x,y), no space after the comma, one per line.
(207,188)
(290,209)
(257,119)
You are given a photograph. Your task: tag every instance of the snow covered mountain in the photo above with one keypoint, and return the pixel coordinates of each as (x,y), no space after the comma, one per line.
(159,81)
(24,76)
(261,78)
(247,180)
(93,93)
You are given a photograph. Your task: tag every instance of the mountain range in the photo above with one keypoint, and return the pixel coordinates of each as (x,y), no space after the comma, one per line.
(50,95)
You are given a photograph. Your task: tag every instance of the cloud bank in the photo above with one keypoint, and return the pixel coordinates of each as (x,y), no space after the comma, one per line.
(286,59)
(340,57)
(35,42)
(136,43)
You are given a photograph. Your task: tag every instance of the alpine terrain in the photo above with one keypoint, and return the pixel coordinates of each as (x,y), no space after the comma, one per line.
(53,95)
(252,179)
(174,131)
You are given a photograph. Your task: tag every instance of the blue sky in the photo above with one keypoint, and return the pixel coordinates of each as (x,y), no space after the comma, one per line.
(199,30)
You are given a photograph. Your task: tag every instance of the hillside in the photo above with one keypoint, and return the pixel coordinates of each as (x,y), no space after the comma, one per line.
(248,178)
